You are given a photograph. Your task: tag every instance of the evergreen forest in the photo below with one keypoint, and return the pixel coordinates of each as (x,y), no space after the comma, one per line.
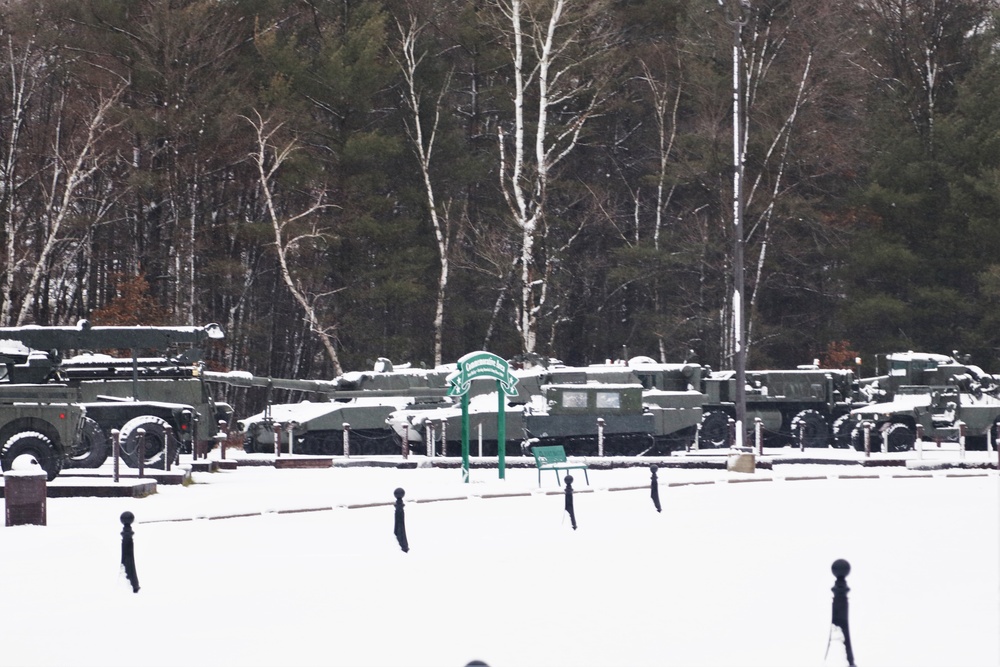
(334,182)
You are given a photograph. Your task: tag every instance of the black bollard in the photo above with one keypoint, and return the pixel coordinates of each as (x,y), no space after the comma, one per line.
(400,528)
(654,489)
(128,551)
(569,500)
(841,568)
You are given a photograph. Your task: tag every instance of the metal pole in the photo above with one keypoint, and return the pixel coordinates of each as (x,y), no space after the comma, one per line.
(429,437)
(758,434)
(116,450)
(140,434)
(222,441)
(737,16)
(277,439)
(480,439)
(347,439)
(406,441)
(444,435)
(600,436)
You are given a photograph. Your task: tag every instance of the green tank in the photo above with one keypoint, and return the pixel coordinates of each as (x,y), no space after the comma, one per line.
(357,403)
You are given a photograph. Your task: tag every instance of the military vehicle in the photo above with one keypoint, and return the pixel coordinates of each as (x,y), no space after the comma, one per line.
(110,400)
(807,406)
(44,428)
(638,408)
(936,392)
(362,400)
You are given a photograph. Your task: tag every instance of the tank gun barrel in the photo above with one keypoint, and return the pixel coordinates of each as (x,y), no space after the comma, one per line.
(331,388)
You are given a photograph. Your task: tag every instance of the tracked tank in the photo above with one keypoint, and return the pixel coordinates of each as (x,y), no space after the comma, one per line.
(356,403)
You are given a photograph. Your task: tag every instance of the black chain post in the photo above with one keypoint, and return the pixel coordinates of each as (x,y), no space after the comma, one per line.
(400,528)
(569,500)
(841,568)
(128,551)
(654,489)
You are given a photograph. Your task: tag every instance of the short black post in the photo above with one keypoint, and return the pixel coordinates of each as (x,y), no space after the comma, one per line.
(128,551)
(569,500)
(654,489)
(841,568)
(400,528)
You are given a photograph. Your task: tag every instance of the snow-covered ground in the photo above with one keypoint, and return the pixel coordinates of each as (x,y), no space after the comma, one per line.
(730,573)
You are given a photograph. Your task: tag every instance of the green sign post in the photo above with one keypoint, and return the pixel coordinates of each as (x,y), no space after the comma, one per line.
(483,365)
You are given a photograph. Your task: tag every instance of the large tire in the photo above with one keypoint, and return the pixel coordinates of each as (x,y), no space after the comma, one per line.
(92,449)
(898,437)
(155,440)
(842,427)
(714,429)
(811,428)
(34,444)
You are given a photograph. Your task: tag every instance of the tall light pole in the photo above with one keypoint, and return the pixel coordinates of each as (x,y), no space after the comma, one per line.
(737,15)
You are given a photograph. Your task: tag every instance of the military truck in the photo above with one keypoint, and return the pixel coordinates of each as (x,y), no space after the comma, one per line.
(937,392)
(44,428)
(110,401)
(807,406)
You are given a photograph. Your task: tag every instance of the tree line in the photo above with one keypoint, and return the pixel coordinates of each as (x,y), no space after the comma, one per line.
(335,182)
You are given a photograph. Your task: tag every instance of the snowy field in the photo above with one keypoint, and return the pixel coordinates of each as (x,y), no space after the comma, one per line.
(728,574)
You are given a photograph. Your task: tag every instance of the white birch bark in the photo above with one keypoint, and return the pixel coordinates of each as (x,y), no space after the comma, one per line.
(68,174)
(268,159)
(423,145)
(525,176)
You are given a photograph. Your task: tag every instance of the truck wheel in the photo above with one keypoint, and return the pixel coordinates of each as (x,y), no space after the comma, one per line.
(91,451)
(714,429)
(899,437)
(155,441)
(34,444)
(811,427)
(842,427)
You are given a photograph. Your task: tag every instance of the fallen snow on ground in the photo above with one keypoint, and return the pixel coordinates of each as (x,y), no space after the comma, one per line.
(728,573)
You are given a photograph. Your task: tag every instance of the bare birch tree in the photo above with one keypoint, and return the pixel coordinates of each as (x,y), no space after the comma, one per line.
(269,158)
(555,93)
(422,139)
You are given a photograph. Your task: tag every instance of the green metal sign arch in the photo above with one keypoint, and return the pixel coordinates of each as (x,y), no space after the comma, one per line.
(473,366)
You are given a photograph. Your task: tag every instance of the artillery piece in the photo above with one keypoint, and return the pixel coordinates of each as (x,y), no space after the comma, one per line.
(116,393)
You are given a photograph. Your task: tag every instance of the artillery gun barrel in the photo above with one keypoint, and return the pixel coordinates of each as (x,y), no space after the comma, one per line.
(87,337)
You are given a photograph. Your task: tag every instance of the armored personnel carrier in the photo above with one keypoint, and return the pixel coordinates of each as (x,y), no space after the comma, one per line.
(617,409)
(939,393)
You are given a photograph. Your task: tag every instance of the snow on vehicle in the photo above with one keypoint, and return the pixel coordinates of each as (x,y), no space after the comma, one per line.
(942,395)
(117,393)
(357,402)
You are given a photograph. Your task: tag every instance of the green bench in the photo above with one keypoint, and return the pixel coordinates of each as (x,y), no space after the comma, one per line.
(553,457)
